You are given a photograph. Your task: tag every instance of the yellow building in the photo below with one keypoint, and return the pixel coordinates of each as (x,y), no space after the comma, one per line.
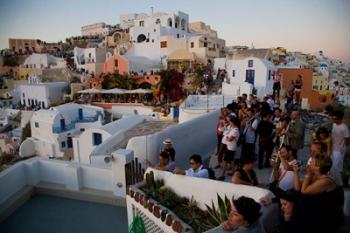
(24,73)
(319,83)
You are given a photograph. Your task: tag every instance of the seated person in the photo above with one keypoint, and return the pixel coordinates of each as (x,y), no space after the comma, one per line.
(245,174)
(196,170)
(164,163)
(244,217)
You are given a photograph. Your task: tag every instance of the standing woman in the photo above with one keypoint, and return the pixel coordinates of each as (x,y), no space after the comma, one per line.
(232,136)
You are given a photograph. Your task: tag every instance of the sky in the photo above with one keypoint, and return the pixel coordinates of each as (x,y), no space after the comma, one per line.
(299,25)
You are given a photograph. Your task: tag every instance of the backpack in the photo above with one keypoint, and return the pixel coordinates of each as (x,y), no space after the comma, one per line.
(211,173)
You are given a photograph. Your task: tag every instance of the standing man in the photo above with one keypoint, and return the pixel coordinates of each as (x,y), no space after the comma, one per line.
(276,84)
(296,132)
(340,138)
(168,148)
(250,126)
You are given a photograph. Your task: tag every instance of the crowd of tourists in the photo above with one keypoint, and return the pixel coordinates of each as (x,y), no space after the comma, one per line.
(250,131)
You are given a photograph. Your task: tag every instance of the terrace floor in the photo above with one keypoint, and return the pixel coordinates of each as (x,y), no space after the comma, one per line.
(43,214)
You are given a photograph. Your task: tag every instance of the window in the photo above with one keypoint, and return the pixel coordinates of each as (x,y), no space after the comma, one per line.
(116,63)
(63,144)
(205,44)
(89,55)
(82,130)
(36,124)
(250,76)
(158,21)
(178,35)
(163,44)
(170,23)
(233,73)
(96,139)
(192,44)
(250,63)
(142,23)
(269,78)
(23,95)
(141,38)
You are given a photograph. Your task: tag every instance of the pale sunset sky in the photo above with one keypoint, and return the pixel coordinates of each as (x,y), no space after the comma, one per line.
(298,25)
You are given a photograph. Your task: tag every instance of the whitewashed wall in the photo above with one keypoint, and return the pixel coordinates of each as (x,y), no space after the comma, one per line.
(119,111)
(196,136)
(34,171)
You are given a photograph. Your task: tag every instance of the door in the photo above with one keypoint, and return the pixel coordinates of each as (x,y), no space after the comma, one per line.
(69,142)
(80,113)
(250,76)
(63,124)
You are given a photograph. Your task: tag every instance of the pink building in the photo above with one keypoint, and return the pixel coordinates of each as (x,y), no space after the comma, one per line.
(116,64)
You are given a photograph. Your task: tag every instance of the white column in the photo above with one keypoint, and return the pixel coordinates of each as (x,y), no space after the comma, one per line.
(120,158)
(72,176)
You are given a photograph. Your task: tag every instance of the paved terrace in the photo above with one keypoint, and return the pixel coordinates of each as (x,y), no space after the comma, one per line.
(146,128)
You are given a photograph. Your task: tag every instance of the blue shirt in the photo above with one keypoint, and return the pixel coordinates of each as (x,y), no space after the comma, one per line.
(200,172)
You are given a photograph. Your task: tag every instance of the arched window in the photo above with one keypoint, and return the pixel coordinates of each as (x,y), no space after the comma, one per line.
(183,24)
(177,22)
(170,22)
(157,21)
(141,38)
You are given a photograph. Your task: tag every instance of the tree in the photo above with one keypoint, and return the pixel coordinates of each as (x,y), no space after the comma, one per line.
(111,81)
(171,85)
(11,60)
(75,79)
(26,132)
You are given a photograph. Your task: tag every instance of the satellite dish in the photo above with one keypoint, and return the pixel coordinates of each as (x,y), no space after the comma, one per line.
(107,159)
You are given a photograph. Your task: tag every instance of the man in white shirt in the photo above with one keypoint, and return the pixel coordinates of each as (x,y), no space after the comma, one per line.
(340,138)
(196,170)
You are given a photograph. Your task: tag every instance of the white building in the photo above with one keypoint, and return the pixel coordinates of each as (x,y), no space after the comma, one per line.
(95,143)
(52,129)
(95,29)
(90,59)
(43,61)
(147,30)
(128,20)
(41,95)
(324,69)
(249,71)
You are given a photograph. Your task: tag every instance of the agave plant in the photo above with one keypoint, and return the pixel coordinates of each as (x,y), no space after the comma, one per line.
(217,215)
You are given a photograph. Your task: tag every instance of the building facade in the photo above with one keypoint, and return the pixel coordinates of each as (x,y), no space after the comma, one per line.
(41,95)
(255,71)
(53,129)
(90,60)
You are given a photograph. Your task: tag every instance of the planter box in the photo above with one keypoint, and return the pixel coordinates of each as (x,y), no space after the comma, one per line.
(160,219)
